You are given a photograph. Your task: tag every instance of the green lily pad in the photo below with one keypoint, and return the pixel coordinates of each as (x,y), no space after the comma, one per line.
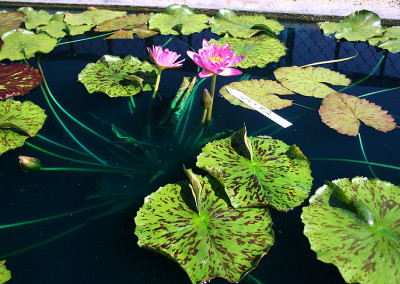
(56,26)
(343,113)
(178,19)
(257,171)
(360,234)
(78,30)
(21,43)
(227,22)
(92,16)
(257,50)
(127,27)
(18,121)
(36,18)
(10,20)
(17,80)
(209,239)
(262,91)
(108,74)
(390,40)
(5,274)
(308,81)
(358,26)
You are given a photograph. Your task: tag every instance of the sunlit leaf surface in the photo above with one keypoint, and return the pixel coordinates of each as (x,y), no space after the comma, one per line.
(358,26)
(108,74)
(343,113)
(208,238)
(10,20)
(227,22)
(355,225)
(278,175)
(262,91)
(258,50)
(17,80)
(5,274)
(18,121)
(178,19)
(127,27)
(309,81)
(21,43)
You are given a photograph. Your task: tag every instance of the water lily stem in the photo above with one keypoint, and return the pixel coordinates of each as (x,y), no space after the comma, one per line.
(355,161)
(212,91)
(148,127)
(91,170)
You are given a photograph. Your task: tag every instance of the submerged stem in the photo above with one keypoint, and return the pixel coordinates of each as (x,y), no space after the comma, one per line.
(365,156)
(355,161)
(148,127)
(212,91)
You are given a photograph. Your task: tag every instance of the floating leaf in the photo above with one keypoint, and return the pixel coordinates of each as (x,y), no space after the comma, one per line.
(390,40)
(37,18)
(343,113)
(258,50)
(107,76)
(127,27)
(18,121)
(20,44)
(78,30)
(178,19)
(365,249)
(17,80)
(5,274)
(215,240)
(262,91)
(308,81)
(91,17)
(278,175)
(358,26)
(10,20)
(227,22)
(56,27)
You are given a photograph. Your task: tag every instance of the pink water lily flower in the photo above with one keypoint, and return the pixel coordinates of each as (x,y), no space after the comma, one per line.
(215,60)
(165,59)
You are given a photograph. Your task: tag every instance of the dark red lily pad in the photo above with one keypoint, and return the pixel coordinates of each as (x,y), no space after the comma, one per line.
(17,80)
(10,20)
(343,113)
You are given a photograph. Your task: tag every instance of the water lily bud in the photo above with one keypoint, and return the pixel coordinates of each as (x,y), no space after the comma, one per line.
(205,100)
(29,164)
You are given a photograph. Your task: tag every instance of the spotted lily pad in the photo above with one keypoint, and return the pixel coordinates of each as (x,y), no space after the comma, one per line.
(18,121)
(17,80)
(358,26)
(108,74)
(309,81)
(227,22)
(257,171)
(262,91)
(343,113)
(127,27)
(178,19)
(10,20)
(257,50)
(21,43)
(355,225)
(5,274)
(208,239)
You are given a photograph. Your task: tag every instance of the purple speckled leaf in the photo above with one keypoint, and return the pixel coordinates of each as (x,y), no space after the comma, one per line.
(342,112)
(212,240)
(17,80)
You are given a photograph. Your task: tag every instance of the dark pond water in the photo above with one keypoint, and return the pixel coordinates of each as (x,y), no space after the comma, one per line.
(99,246)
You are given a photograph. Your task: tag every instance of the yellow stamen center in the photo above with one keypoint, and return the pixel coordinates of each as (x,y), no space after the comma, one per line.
(216,59)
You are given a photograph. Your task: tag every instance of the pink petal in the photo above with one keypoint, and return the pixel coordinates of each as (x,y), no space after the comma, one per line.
(205,44)
(230,72)
(198,60)
(191,54)
(205,74)
(236,60)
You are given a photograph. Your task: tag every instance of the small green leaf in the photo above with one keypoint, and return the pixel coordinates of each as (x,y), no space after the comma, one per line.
(355,225)
(23,44)
(56,27)
(5,274)
(277,174)
(108,74)
(227,22)
(343,113)
(257,50)
(178,19)
(37,18)
(262,91)
(18,121)
(309,81)
(358,26)
(242,144)
(215,240)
